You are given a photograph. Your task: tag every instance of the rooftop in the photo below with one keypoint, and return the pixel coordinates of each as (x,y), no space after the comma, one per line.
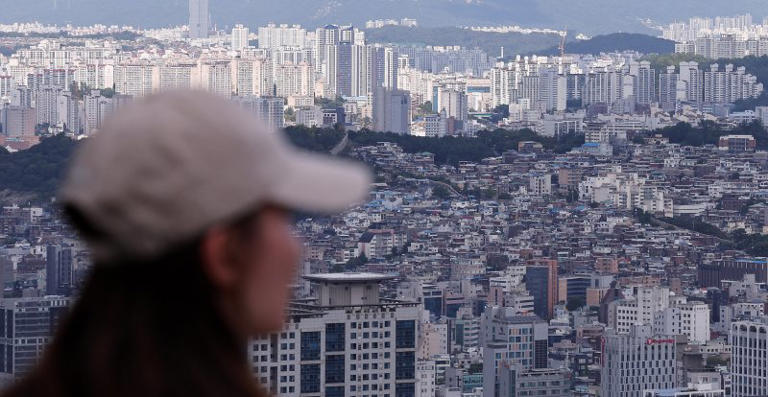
(351,277)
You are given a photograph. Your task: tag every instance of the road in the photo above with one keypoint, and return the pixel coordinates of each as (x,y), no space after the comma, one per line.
(341,145)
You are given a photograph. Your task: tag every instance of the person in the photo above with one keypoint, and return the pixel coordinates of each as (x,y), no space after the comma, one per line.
(185,203)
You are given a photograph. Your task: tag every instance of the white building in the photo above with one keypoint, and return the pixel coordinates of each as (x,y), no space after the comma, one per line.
(454,104)
(215,77)
(392,111)
(686,318)
(270,110)
(251,77)
(18,121)
(133,79)
(693,390)
(636,362)
(749,360)
(239,37)
(626,190)
(293,80)
(347,342)
(638,309)
(276,36)
(510,340)
(174,76)
(540,184)
(426,374)
(96,108)
(434,125)
(433,339)
(309,116)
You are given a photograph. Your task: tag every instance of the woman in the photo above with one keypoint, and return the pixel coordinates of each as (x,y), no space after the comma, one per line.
(183,200)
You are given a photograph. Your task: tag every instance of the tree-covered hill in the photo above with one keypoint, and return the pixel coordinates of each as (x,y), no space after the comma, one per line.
(617,42)
(37,171)
(451,150)
(490,42)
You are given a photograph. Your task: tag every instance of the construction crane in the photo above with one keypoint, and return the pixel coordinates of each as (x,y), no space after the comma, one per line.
(561,47)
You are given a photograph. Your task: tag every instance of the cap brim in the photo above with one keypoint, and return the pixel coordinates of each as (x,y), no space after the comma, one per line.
(320,184)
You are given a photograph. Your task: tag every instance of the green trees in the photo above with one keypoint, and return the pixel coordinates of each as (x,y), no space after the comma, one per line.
(451,150)
(314,139)
(38,170)
(753,244)
(441,192)
(426,107)
(575,303)
(619,42)
(709,133)
(290,115)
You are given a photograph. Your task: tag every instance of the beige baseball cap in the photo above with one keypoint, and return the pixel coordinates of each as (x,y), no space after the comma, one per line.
(166,168)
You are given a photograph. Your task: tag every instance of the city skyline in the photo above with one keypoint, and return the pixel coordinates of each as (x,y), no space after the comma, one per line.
(533,13)
(588,223)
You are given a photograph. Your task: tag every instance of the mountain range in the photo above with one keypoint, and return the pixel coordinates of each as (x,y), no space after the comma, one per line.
(584,16)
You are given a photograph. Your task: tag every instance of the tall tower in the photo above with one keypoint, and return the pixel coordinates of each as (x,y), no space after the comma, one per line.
(198,19)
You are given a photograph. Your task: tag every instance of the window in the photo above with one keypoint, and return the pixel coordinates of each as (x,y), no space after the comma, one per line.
(405,390)
(405,334)
(310,378)
(334,337)
(405,363)
(334,369)
(310,346)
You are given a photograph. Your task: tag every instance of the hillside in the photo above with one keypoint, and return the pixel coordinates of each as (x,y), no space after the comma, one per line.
(513,43)
(617,42)
(35,173)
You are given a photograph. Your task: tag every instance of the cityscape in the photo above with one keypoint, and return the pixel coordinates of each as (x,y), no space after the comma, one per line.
(558,222)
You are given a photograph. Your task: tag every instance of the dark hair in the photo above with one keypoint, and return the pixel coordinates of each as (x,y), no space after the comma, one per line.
(144,329)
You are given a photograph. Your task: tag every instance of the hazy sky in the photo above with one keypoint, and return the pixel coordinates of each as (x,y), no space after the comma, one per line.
(590,16)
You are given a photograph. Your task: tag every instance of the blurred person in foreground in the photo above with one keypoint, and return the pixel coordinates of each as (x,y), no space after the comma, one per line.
(184,202)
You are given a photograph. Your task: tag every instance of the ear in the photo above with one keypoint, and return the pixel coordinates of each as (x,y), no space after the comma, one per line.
(217,259)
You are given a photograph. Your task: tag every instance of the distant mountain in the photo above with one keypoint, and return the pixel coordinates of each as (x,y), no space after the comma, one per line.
(617,42)
(491,43)
(588,16)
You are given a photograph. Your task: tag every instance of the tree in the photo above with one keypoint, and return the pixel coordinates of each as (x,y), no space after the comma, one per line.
(329,103)
(716,361)
(290,115)
(643,217)
(502,110)
(108,92)
(356,262)
(441,192)
(572,195)
(575,303)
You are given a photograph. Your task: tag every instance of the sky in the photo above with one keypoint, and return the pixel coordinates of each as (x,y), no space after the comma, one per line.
(586,16)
